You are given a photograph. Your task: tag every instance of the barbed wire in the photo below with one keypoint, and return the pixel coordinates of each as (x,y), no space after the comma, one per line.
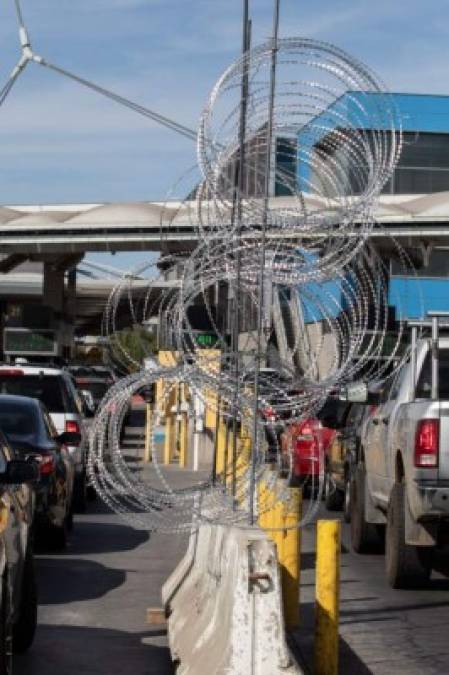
(321,267)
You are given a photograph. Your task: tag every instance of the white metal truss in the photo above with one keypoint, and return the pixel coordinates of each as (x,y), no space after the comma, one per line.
(28,55)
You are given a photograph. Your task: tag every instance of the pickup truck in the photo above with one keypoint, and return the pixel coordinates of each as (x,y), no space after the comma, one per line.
(400,485)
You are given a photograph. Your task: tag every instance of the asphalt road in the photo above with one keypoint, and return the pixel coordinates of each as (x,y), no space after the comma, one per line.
(382,631)
(93,601)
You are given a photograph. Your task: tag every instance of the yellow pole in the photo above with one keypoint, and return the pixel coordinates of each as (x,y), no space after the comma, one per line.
(221,445)
(278,518)
(243,458)
(148,434)
(262,503)
(270,516)
(170,437)
(183,441)
(290,557)
(327,596)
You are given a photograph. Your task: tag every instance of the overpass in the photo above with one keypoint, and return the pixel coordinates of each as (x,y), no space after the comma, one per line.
(57,237)
(71,230)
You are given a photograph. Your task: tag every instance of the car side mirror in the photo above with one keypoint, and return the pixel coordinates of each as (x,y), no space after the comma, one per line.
(69,438)
(331,422)
(356,392)
(20,471)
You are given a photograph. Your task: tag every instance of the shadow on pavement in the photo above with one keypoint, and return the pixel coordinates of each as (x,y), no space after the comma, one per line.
(61,581)
(301,643)
(98,537)
(72,650)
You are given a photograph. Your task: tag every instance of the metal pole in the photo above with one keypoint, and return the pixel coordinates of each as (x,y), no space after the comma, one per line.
(217,426)
(260,317)
(413,360)
(239,178)
(435,359)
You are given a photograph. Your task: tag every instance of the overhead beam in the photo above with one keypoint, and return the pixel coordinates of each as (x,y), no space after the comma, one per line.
(12,261)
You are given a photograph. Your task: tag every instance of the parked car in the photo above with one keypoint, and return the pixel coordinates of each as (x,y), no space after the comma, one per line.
(55,389)
(402,477)
(342,456)
(32,435)
(305,444)
(275,405)
(18,597)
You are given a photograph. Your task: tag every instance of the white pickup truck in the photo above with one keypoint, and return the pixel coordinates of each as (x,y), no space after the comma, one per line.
(401,479)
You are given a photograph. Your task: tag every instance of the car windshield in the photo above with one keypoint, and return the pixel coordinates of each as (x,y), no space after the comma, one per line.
(19,422)
(49,389)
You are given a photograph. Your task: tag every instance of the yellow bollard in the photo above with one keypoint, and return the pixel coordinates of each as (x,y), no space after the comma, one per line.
(327,596)
(278,534)
(262,504)
(290,557)
(170,438)
(148,434)
(183,440)
(270,517)
(221,446)
(243,456)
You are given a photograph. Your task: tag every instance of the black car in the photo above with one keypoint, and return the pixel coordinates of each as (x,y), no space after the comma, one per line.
(18,598)
(32,434)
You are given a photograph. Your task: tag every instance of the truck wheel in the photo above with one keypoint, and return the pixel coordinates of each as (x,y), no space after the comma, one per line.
(5,630)
(347,499)
(25,627)
(406,566)
(364,536)
(333,497)
(80,493)
(58,536)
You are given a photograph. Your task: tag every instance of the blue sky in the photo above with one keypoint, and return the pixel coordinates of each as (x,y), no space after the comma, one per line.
(60,143)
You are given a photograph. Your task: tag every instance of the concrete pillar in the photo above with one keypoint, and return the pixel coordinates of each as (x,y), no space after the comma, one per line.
(53,292)
(70,310)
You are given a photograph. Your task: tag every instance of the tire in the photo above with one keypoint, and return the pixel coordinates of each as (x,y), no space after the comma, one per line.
(347,499)
(80,493)
(364,536)
(406,566)
(333,497)
(25,627)
(69,520)
(59,536)
(5,630)
(91,493)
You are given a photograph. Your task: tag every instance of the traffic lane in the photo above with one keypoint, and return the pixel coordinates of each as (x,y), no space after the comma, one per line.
(93,600)
(382,630)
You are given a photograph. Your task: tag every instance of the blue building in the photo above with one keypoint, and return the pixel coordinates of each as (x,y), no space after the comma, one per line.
(423,169)
(424,164)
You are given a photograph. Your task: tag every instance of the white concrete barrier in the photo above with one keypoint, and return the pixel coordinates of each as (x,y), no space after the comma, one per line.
(224,606)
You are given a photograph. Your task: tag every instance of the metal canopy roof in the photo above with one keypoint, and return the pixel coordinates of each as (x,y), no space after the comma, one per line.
(91,294)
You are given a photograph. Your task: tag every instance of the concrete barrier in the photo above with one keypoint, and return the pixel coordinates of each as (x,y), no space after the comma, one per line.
(224,606)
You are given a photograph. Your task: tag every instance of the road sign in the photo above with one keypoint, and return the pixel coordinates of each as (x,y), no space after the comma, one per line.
(206,340)
(30,342)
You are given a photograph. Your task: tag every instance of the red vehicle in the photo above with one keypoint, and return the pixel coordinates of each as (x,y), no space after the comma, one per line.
(303,443)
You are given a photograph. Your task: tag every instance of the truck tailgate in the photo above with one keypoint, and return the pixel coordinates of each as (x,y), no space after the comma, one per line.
(443,468)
